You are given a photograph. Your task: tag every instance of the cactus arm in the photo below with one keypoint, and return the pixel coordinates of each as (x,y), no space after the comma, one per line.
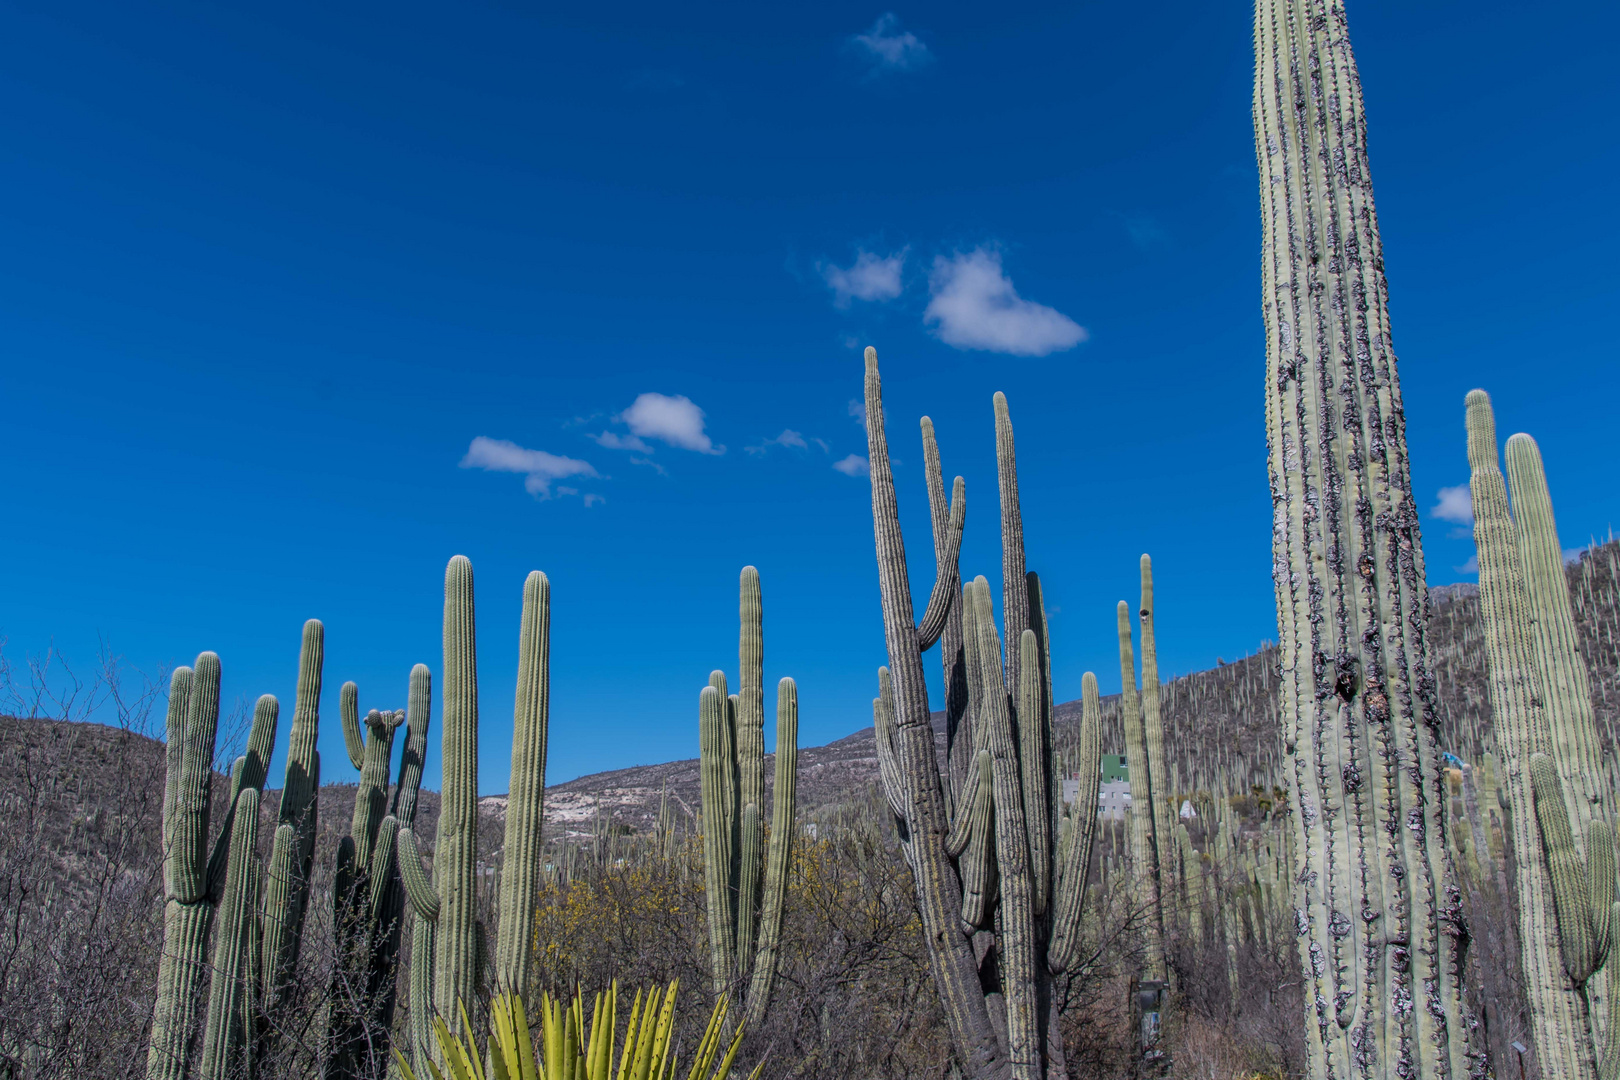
(380,873)
(371,800)
(424,943)
(1064,950)
(943,600)
(1014,583)
(455,855)
(888,758)
(525,810)
(717,793)
(418,711)
(750,751)
(188,857)
(978,867)
(954,967)
(287,880)
(784,800)
(1017,920)
(1609,1065)
(964,824)
(174,753)
(418,886)
(354,739)
(1569,883)
(1031,736)
(959,753)
(1600,871)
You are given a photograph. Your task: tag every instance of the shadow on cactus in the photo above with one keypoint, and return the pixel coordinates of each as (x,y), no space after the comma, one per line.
(571,1052)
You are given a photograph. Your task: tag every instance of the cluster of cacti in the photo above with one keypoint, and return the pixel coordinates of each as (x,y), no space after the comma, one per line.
(368,895)
(1544,728)
(449,949)
(255,943)
(1380,927)
(1000,903)
(745,882)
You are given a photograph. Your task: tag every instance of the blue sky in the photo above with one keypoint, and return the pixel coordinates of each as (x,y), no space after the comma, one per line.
(289,291)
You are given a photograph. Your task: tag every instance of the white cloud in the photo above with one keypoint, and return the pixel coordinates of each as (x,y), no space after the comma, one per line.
(537,467)
(974,306)
(592,500)
(1573,555)
(612,440)
(872,277)
(672,419)
(826,447)
(857,411)
(1455,505)
(891,49)
(653,465)
(1469,567)
(788,438)
(853,465)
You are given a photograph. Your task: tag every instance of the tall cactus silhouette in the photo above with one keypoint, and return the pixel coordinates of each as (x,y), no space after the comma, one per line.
(447,941)
(1379,914)
(745,884)
(978,836)
(1528,648)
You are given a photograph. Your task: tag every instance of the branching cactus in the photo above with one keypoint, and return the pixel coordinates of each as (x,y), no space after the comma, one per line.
(447,949)
(1146,873)
(745,883)
(1379,914)
(977,836)
(1529,723)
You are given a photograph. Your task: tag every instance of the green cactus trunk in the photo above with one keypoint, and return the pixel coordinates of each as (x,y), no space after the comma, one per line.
(744,883)
(455,853)
(978,840)
(1557,1005)
(1380,936)
(525,807)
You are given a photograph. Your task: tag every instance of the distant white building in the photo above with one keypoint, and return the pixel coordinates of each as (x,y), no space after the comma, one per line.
(1113,799)
(1187,811)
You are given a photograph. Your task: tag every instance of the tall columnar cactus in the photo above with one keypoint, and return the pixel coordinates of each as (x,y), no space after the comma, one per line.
(982,853)
(293,852)
(745,884)
(525,812)
(1145,864)
(217,896)
(366,909)
(446,948)
(1380,930)
(1159,779)
(192,719)
(1559,1014)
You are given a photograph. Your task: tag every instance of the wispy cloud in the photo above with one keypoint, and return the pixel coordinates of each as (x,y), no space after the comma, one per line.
(854,465)
(886,47)
(612,440)
(672,419)
(788,438)
(1145,231)
(974,306)
(537,467)
(857,411)
(651,464)
(591,500)
(1455,505)
(1469,567)
(872,277)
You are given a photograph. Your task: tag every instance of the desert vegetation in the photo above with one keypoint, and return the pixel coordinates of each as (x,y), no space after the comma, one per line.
(1382,846)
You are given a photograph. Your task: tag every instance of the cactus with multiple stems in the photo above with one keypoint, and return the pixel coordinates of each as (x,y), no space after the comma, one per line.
(1542,711)
(977,834)
(447,946)
(252,955)
(745,883)
(1380,927)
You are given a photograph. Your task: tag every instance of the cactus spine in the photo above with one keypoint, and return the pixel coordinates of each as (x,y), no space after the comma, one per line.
(1380,932)
(448,947)
(1521,660)
(743,936)
(944,840)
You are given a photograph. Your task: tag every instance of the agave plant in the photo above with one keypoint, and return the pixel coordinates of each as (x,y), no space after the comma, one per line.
(569,1052)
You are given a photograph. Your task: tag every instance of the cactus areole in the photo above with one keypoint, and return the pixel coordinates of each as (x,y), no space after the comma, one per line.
(1377,909)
